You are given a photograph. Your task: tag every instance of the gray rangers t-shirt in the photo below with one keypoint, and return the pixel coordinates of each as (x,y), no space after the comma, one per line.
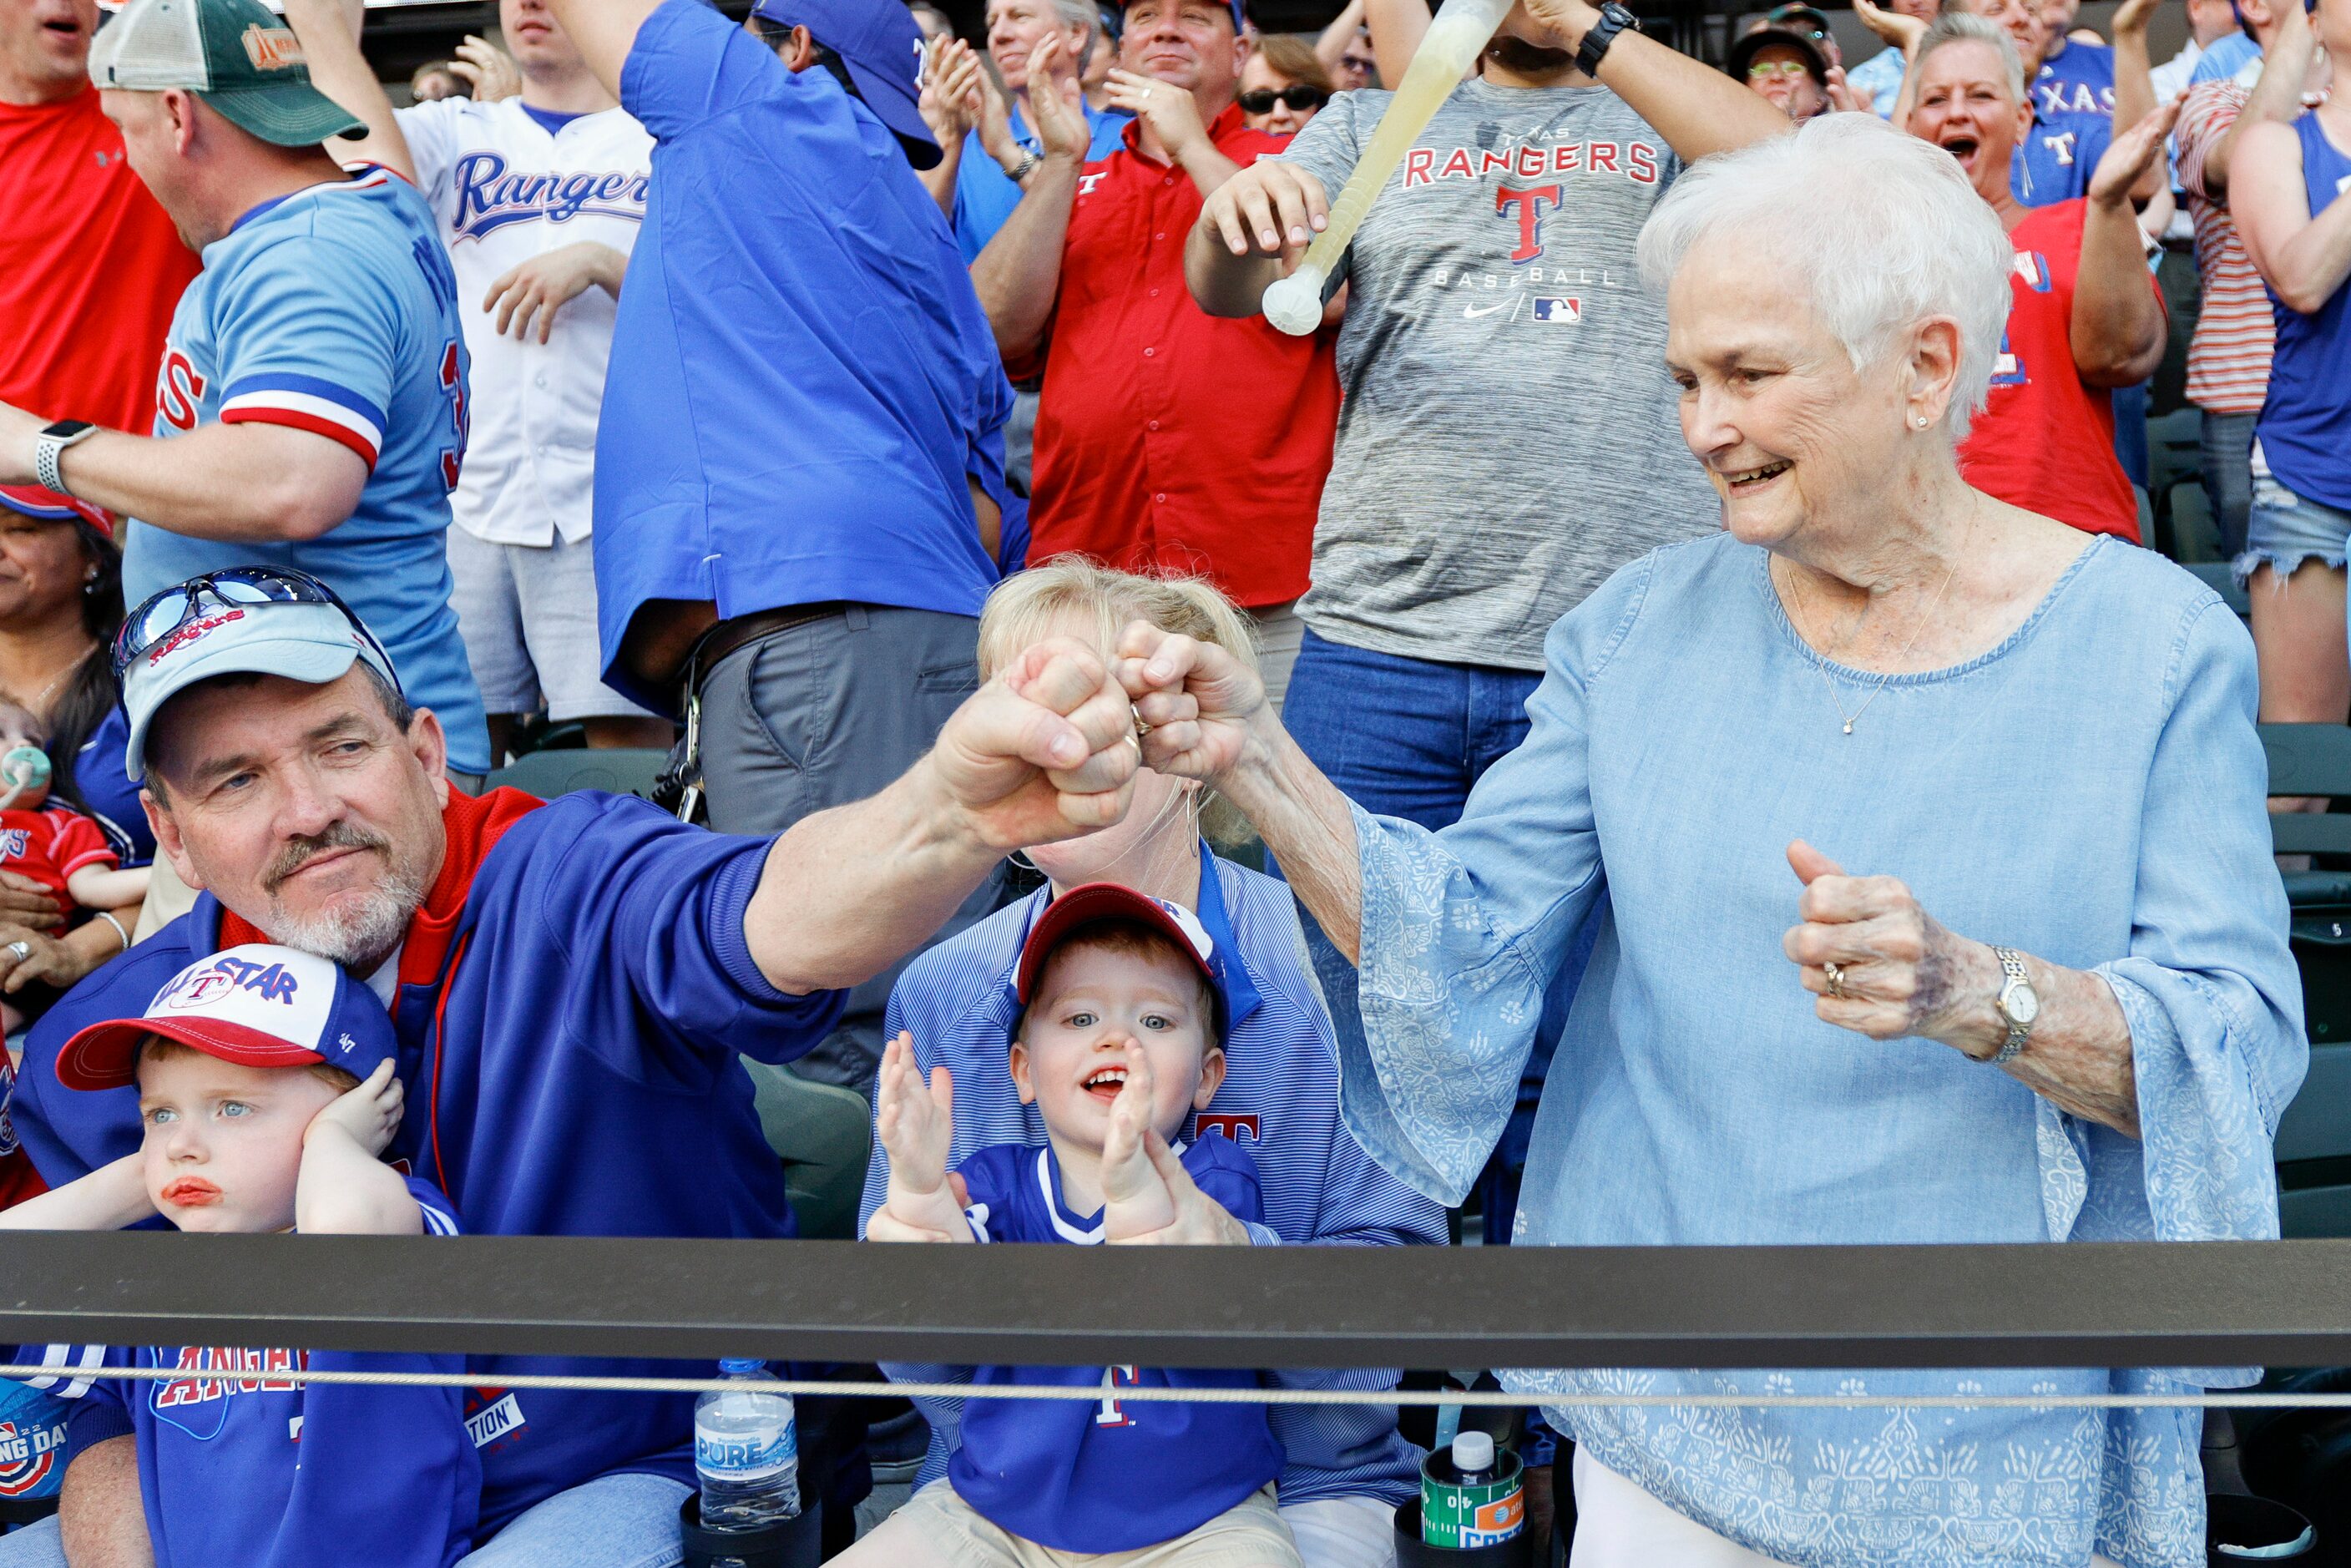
(1509,435)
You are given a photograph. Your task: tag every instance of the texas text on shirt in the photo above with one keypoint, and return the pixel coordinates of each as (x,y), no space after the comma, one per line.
(507,189)
(571,1002)
(2072,124)
(1279,1102)
(333,310)
(237,1466)
(863,397)
(1062,1473)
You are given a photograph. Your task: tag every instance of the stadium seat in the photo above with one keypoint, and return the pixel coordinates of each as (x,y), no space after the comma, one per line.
(2181,528)
(623,770)
(823,1134)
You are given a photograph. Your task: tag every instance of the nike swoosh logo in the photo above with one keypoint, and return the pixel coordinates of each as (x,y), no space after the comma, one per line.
(1471,312)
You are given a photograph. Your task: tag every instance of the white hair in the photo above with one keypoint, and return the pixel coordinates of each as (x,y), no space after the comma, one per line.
(1967,28)
(1883,227)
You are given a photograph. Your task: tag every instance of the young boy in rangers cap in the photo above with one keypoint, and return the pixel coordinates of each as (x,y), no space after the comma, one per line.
(265,1088)
(1117,1046)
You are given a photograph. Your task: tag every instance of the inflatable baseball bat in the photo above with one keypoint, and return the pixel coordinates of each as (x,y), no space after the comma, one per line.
(1294,304)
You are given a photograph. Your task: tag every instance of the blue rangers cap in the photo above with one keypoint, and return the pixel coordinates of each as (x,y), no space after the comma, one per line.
(878,41)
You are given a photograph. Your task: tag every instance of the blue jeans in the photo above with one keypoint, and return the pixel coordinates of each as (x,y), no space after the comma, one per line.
(612,1521)
(1411,738)
(2226,464)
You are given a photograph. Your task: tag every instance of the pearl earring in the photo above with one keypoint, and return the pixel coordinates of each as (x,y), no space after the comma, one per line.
(1920,421)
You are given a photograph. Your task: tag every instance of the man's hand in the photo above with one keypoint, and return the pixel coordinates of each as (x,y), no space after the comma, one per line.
(950,101)
(1846,98)
(1200,1220)
(1572,17)
(1902,32)
(1135,1199)
(24,902)
(488,69)
(543,285)
(1166,109)
(370,1114)
(1044,752)
(46,958)
(1270,208)
(2130,156)
(1053,112)
(1199,702)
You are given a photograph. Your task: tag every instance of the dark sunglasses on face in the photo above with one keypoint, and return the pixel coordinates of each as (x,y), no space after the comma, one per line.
(1299,99)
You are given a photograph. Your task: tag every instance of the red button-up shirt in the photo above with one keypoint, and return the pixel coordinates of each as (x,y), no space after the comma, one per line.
(1169,438)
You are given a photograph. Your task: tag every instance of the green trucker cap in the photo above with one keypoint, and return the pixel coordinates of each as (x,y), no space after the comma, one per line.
(238,56)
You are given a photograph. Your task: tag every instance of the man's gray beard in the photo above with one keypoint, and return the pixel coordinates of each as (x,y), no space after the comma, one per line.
(361,932)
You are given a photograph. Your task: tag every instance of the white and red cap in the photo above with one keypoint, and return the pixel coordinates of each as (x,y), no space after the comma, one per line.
(257,1005)
(1096,903)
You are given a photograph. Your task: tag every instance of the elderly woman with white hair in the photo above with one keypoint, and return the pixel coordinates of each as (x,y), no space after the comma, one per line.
(1939,905)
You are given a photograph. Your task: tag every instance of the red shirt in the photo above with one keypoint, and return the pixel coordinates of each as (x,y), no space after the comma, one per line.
(2046,441)
(1168,438)
(49,846)
(89,268)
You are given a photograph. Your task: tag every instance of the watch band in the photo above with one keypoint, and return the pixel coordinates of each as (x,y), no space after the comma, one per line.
(1613,19)
(2012,971)
(53,441)
(1026,167)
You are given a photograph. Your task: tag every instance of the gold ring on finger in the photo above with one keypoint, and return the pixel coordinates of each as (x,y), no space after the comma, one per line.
(1835,972)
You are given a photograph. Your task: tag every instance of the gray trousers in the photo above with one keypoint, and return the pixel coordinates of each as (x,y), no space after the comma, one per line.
(824,714)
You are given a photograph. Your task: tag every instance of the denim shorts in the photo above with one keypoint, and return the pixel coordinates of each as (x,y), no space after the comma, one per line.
(2286,530)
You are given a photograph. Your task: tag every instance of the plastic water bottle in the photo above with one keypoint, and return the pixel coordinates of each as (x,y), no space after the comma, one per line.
(1472,1495)
(746,1451)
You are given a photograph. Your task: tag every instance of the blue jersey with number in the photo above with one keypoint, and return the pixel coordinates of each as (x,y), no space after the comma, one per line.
(239,1466)
(333,310)
(1104,1475)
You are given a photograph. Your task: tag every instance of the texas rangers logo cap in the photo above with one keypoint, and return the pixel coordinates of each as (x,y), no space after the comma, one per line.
(238,56)
(878,41)
(257,1005)
(1094,903)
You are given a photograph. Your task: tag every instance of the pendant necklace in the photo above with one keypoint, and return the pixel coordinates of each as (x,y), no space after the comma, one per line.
(1821,664)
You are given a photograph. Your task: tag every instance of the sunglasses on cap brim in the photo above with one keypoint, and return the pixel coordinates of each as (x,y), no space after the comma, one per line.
(160,616)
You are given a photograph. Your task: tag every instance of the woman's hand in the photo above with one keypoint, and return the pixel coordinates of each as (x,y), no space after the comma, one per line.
(1845,98)
(1900,972)
(1270,208)
(1902,32)
(1199,1220)
(1135,1199)
(44,958)
(2129,157)
(24,902)
(369,1113)
(1194,704)
(1167,109)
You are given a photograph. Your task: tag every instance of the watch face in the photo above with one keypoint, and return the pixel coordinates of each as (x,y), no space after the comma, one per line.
(2020,1003)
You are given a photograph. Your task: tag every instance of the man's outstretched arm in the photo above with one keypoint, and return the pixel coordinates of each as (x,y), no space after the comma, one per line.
(1043,752)
(605,31)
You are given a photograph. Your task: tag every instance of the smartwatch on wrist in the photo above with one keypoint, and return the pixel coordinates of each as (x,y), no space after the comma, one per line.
(53,441)
(1613,19)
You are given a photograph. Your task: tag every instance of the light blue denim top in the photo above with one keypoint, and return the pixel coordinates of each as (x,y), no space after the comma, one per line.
(2089,791)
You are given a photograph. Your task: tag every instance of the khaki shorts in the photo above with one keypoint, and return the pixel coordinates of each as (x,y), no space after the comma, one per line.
(1250,1534)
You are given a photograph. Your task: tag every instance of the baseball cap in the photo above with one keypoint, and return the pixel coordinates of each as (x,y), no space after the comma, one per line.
(1743,52)
(1094,903)
(257,1005)
(34,501)
(238,56)
(313,639)
(882,47)
(1800,18)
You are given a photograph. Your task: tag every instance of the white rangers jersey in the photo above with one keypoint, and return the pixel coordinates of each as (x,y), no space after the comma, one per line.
(504,189)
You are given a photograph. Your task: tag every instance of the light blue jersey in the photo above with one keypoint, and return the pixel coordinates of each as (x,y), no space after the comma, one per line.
(333,310)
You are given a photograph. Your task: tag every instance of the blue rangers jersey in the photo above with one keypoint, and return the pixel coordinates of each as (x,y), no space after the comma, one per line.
(334,310)
(1110,1475)
(238,1466)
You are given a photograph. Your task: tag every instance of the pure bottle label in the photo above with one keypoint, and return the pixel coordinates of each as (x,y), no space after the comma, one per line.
(738,1457)
(1463,1517)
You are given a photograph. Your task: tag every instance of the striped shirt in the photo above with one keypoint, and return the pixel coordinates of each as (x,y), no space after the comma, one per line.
(1280,1100)
(2229,357)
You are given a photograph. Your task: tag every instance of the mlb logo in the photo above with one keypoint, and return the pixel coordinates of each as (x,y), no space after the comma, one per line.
(1559,311)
